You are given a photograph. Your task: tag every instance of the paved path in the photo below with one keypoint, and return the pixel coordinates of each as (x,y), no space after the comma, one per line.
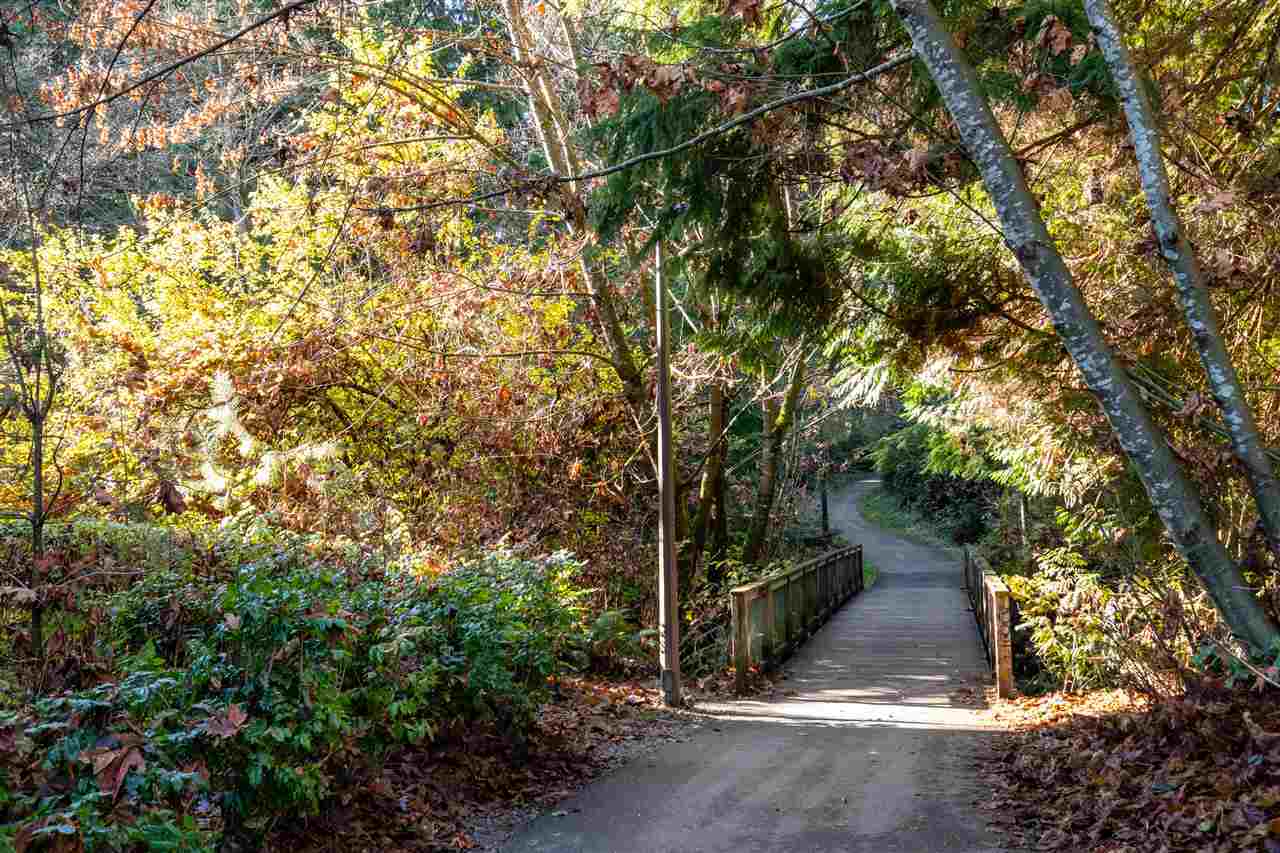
(871,754)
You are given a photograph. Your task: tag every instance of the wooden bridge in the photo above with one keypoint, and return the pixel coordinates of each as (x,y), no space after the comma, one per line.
(774,615)
(867,746)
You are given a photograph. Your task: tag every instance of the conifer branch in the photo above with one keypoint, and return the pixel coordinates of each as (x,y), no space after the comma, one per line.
(693,142)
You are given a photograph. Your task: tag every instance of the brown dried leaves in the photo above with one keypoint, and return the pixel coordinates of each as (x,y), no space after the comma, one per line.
(1095,772)
(604,97)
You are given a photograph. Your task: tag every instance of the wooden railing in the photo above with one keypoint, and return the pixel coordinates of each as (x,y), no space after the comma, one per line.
(992,608)
(774,615)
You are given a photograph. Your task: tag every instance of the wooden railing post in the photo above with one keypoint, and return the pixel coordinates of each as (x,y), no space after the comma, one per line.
(806,615)
(819,589)
(1000,639)
(802,607)
(820,584)
(815,606)
(793,621)
(806,605)
(741,640)
(810,600)
(828,568)
(786,616)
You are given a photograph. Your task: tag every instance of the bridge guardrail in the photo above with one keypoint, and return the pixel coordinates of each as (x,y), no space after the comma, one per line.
(992,608)
(774,615)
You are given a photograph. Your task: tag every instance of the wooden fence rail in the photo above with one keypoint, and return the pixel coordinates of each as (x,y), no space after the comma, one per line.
(992,608)
(774,615)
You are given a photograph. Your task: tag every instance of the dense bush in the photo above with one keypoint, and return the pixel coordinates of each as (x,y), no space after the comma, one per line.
(916,464)
(1067,622)
(232,702)
(1083,626)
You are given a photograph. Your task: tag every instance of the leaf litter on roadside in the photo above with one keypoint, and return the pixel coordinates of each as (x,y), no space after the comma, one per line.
(1108,773)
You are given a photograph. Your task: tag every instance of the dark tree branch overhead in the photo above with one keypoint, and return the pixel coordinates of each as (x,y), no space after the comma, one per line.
(719,130)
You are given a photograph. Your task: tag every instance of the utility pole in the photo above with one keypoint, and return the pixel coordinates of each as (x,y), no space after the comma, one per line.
(668,592)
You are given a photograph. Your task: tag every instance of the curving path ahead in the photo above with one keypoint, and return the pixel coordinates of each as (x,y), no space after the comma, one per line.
(870,750)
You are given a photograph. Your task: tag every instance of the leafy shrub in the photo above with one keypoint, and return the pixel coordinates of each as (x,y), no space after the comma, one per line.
(1064,612)
(613,644)
(248,699)
(1088,622)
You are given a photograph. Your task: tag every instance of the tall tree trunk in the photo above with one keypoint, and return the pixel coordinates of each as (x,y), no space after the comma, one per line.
(711,472)
(770,452)
(1172,495)
(778,420)
(557,143)
(36,420)
(1180,254)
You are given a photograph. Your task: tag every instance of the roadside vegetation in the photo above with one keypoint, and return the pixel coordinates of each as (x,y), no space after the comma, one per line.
(870,573)
(329,352)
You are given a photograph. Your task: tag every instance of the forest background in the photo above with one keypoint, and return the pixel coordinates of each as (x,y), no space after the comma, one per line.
(328,401)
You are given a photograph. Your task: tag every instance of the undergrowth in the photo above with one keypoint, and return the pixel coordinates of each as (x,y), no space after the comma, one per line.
(1105,772)
(211,703)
